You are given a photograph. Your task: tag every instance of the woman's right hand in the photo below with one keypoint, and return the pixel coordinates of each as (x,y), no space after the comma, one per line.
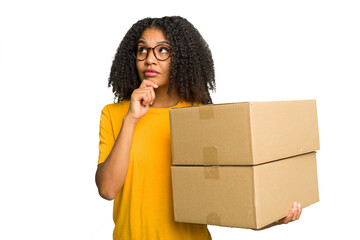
(141,99)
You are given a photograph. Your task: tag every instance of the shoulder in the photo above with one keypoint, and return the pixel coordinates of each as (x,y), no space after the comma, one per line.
(116,110)
(119,106)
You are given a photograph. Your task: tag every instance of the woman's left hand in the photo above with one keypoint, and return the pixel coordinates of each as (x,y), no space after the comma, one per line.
(294,214)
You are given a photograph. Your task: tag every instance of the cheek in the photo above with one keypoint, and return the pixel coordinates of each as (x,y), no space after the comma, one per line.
(167,68)
(138,69)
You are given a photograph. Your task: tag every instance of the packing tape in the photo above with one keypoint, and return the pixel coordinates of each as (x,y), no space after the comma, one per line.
(210,155)
(206,112)
(211,172)
(213,219)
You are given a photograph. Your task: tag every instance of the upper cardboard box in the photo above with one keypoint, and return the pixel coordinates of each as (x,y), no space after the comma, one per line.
(248,133)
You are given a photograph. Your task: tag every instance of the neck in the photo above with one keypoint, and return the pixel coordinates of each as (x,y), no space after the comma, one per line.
(163,100)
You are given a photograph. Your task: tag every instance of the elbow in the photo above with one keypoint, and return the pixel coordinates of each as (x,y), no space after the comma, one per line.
(108,195)
(108,192)
(106,187)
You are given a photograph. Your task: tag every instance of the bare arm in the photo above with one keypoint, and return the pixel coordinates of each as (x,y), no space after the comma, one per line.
(111,174)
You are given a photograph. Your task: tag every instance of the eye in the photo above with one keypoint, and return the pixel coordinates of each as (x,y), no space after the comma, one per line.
(141,50)
(164,50)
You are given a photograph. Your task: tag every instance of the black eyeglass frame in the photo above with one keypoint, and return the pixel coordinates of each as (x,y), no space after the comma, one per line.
(153,49)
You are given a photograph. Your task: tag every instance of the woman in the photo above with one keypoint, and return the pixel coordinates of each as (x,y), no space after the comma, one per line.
(161,63)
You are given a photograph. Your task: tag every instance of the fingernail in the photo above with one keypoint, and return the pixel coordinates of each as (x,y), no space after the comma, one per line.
(299,205)
(156,85)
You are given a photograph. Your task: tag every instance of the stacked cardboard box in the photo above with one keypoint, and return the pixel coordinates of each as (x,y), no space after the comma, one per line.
(243,164)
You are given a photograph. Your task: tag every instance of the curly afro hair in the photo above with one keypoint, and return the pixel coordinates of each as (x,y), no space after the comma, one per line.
(191,67)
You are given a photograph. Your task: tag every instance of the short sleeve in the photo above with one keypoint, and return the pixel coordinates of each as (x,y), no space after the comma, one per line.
(106,135)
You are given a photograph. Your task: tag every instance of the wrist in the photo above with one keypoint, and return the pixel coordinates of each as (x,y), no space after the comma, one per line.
(128,119)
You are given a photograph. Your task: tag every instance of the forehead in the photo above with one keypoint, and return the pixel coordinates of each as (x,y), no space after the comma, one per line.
(153,36)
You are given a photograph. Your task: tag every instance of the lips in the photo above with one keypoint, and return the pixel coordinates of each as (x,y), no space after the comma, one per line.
(150,73)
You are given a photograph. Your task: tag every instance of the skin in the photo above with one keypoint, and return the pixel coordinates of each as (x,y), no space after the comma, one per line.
(152,92)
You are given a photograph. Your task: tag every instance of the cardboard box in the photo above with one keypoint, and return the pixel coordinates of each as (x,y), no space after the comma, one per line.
(243,196)
(246,133)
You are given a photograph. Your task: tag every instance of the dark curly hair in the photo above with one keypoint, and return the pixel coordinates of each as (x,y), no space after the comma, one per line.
(191,66)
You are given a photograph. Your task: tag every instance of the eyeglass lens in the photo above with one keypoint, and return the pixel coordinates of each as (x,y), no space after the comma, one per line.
(161,52)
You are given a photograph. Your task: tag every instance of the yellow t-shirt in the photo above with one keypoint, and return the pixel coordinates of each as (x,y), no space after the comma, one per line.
(143,209)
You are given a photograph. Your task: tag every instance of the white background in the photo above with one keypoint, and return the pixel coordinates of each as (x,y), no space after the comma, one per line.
(55,59)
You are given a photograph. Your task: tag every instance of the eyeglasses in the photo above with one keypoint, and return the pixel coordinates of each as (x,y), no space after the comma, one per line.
(161,52)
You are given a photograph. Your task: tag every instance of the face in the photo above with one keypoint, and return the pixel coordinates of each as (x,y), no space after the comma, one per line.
(152,68)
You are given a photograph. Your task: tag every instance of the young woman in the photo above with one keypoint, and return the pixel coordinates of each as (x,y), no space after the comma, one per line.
(161,63)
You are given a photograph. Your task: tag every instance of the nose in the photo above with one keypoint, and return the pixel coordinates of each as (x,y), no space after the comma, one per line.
(150,57)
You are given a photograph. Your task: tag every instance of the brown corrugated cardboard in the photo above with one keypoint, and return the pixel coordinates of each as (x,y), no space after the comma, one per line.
(246,133)
(243,196)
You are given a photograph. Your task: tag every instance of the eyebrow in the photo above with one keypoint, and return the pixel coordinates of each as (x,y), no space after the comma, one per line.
(161,42)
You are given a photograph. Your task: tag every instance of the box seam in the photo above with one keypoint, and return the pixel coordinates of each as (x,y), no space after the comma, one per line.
(254,203)
(251,135)
(317,123)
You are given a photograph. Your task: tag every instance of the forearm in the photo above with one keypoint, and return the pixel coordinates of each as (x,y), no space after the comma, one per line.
(111,174)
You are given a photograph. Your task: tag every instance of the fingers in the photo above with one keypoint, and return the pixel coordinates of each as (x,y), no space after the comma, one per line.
(295,210)
(145,96)
(299,211)
(147,83)
(289,217)
(294,213)
(142,98)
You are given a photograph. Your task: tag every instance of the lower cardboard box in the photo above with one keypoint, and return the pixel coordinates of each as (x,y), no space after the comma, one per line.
(243,196)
